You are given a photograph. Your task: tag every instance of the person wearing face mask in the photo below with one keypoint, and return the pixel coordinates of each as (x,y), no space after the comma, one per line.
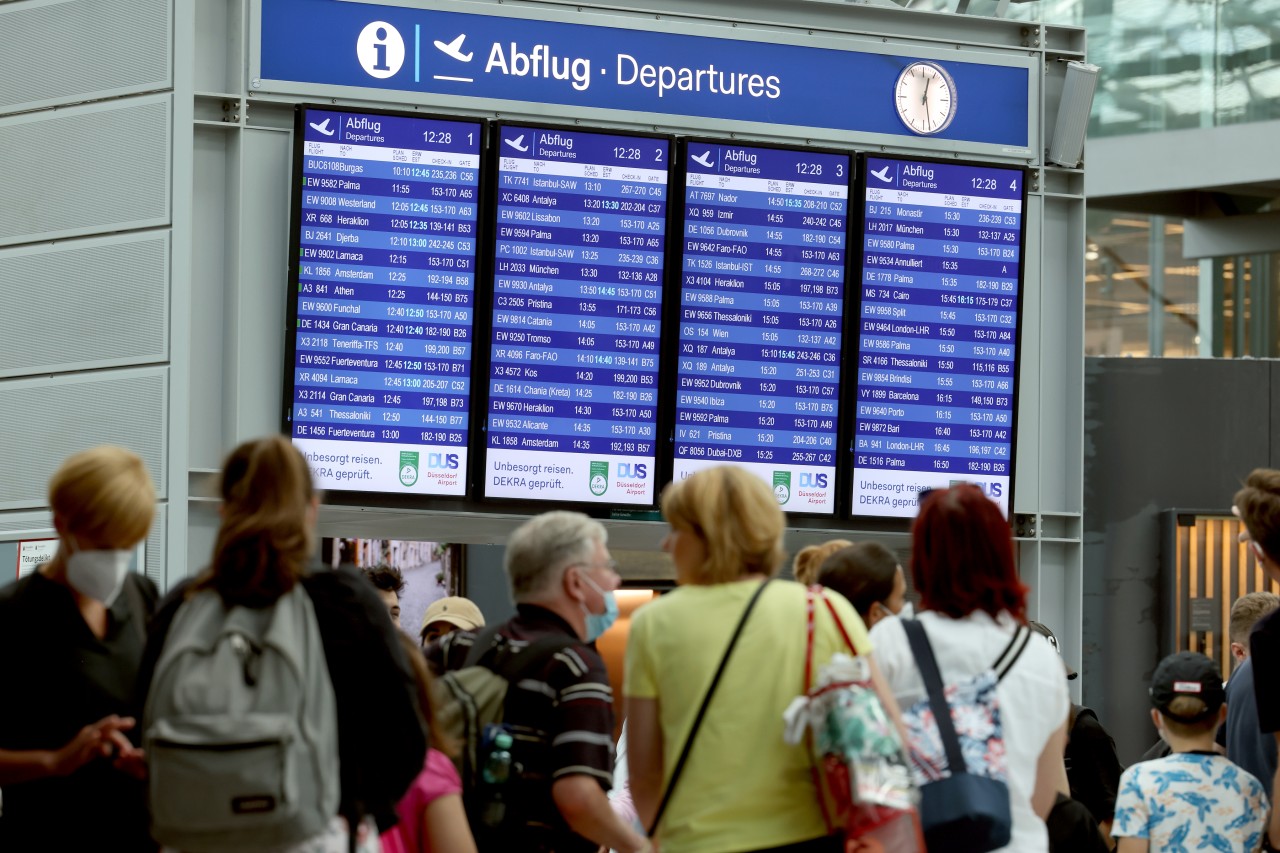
(74,632)
(743,788)
(562,580)
(869,576)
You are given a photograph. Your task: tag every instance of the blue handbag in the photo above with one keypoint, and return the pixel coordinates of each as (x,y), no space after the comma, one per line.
(963,808)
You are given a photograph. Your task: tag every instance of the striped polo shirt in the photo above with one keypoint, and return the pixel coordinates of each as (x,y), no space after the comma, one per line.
(561,718)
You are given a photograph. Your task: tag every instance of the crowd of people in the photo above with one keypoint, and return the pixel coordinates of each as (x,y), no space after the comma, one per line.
(269,703)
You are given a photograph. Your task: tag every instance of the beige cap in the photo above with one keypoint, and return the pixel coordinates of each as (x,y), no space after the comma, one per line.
(456,611)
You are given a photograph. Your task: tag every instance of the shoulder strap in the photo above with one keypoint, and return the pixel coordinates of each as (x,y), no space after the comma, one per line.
(517,664)
(928,665)
(481,645)
(138,610)
(848,641)
(702,711)
(512,666)
(1013,651)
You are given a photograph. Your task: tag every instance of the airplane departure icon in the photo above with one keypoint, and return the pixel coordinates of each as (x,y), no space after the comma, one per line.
(323,127)
(517,143)
(883,175)
(703,159)
(454,49)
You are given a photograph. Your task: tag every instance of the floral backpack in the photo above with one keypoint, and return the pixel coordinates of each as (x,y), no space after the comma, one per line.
(859,766)
(957,752)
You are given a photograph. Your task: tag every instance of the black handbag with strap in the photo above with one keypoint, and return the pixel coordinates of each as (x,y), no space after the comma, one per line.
(702,711)
(963,812)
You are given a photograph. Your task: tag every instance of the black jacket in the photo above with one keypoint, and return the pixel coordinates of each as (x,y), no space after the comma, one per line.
(382,739)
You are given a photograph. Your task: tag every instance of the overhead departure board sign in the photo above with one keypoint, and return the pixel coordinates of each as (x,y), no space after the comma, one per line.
(577,293)
(937,332)
(629,66)
(384,231)
(761,308)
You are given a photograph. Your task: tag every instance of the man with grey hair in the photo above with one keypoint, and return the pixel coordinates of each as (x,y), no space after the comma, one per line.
(559,707)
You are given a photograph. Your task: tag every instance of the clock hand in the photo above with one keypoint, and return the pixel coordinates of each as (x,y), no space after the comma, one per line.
(924,99)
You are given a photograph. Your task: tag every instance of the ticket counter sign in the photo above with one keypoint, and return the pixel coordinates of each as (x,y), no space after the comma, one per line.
(33,552)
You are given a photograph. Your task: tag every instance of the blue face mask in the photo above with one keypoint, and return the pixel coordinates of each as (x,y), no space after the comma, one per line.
(598,623)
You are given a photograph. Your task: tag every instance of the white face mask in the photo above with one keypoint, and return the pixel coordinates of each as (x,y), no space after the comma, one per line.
(907,611)
(98,574)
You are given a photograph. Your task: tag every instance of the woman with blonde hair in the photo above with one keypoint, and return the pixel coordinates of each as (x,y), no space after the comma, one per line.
(265,547)
(743,788)
(73,633)
(809,560)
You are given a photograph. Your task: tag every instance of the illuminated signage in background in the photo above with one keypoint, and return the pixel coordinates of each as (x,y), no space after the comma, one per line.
(761,310)
(577,302)
(379,385)
(430,52)
(937,332)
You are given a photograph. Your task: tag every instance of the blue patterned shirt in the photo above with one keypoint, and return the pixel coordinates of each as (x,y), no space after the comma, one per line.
(1190,802)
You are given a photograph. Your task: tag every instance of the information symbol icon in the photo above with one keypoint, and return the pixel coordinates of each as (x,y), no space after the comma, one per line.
(380,50)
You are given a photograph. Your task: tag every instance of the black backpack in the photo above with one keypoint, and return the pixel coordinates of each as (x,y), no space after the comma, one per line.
(473,711)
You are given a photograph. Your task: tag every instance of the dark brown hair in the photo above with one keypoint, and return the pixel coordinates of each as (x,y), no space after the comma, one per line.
(862,573)
(1259,506)
(265,538)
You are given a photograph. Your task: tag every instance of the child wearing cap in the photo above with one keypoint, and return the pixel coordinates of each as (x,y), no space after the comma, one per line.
(1194,798)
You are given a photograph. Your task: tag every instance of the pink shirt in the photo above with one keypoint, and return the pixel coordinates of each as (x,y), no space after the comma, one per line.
(438,778)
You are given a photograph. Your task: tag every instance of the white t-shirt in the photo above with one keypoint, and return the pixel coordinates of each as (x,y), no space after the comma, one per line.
(1032,695)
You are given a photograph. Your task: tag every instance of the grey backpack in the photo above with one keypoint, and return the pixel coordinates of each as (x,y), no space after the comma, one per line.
(241,728)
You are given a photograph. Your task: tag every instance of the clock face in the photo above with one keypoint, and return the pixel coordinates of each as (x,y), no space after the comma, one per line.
(925,97)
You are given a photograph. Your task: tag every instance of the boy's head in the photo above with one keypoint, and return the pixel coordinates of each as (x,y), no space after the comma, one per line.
(1187,695)
(1245,613)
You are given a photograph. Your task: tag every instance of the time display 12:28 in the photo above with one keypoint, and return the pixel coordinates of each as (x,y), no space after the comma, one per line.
(937,332)
(761,311)
(577,294)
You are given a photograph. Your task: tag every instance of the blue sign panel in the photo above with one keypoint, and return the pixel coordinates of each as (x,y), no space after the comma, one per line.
(761,303)
(577,295)
(486,56)
(379,384)
(938,332)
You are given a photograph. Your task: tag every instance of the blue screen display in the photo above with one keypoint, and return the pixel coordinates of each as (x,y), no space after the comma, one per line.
(577,296)
(385,276)
(937,332)
(761,308)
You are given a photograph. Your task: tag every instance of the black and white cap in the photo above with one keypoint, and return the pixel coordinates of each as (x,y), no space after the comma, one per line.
(1187,674)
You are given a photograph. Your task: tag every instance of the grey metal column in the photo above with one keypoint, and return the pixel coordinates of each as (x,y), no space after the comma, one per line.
(1155,296)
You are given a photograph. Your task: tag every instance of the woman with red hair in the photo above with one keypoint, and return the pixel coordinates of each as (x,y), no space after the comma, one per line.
(972,602)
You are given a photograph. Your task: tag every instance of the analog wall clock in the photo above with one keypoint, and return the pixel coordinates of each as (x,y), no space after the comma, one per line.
(925,98)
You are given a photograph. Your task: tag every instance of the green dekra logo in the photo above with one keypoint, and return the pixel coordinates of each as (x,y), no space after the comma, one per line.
(599,482)
(408,467)
(782,486)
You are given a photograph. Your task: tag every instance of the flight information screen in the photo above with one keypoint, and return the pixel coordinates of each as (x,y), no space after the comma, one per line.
(380,356)
(577,294)
(937,332)
(761,307)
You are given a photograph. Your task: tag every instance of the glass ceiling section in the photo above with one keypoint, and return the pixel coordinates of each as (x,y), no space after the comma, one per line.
(1168,64)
